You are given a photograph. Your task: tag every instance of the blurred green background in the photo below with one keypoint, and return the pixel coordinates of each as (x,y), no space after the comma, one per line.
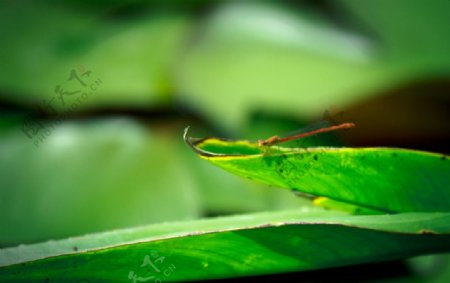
(94,97)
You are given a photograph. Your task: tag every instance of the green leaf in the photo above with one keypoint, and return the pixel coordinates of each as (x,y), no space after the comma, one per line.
(299,55)
(382,17)
(228,247)
(383,179)
(103,170)
(132,57)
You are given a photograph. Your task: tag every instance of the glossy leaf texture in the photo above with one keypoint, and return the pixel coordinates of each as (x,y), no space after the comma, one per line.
(262,243)
(383,179)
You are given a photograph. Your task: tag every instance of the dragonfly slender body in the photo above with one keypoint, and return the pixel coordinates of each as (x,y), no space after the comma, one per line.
(276,139)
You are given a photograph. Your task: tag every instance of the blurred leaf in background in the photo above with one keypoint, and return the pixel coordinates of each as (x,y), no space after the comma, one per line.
(87,177)
(133,55)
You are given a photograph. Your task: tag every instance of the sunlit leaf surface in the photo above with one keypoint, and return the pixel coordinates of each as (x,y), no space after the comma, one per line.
(383,179)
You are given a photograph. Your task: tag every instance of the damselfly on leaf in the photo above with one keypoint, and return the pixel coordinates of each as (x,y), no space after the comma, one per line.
(382,179)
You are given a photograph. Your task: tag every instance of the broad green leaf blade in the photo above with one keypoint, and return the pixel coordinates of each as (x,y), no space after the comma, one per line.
(383,179)
(228,247)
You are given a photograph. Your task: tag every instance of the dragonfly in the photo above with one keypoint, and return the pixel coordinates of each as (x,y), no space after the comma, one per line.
(277,139)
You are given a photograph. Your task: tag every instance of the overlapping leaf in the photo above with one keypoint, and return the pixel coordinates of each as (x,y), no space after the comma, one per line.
(227,247)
